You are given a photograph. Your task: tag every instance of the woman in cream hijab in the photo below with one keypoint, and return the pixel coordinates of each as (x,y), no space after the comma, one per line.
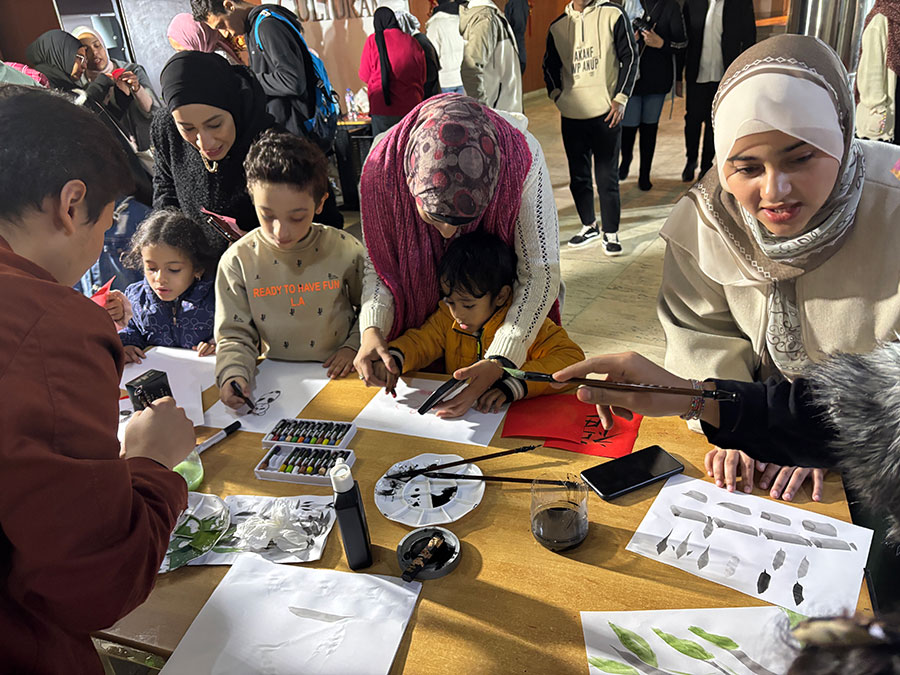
(788,249)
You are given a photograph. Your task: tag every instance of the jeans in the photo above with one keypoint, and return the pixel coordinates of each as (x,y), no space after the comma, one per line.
(644,109)
(586,140)
(454,90)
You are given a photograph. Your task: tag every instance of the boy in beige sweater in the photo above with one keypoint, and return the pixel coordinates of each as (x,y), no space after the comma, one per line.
(291,288)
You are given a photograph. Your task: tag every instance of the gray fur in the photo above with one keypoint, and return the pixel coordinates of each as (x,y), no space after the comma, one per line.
(861,394)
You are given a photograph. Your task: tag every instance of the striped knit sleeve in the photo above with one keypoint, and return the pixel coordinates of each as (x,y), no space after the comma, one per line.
(377,309)
(537,248)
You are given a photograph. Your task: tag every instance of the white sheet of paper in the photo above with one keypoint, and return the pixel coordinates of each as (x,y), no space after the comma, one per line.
(312,515)
(815,563)
(188,376)
(757,632)
(400,416)
(281,389)
(281,619)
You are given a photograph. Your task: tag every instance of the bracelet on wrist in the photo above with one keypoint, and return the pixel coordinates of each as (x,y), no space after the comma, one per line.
(697,403)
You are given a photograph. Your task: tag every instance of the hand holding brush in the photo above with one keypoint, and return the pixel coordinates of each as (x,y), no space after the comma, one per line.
(636,385)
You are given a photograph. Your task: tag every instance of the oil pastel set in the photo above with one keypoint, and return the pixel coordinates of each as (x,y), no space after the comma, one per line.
(310,432)
(781,554)
(302,464)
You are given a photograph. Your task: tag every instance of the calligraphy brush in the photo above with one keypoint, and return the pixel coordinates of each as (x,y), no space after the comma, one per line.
(500,479)
(715,394)
(412,473)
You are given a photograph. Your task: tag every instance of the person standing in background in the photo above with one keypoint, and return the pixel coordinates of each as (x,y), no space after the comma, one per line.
(410,25)
(660,33)
(185,34)
(717,32)
(490,67)
(590,67)
(393,68)
(517,13)
(876,77)
(443,31)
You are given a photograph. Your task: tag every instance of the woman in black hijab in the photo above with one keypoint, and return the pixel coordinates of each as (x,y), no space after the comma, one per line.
(214,112)
(63,59)
(393,67)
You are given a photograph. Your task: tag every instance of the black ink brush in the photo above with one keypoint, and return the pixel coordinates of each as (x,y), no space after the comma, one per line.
(412,473)
(715,394)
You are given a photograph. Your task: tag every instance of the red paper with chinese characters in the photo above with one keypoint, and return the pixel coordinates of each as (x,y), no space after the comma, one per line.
(102,295)
(569,424)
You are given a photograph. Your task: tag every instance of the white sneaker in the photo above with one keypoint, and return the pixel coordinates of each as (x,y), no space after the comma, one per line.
(611,245)
(588,234)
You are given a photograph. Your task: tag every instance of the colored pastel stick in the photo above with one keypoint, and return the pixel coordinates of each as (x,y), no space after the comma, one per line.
(287,461)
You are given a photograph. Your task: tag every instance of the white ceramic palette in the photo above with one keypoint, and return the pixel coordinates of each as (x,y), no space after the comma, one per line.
(422,500)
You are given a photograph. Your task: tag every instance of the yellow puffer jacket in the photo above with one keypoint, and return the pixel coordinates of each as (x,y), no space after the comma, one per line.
(439,336)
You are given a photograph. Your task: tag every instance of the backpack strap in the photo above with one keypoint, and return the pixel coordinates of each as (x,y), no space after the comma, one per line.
(267,13)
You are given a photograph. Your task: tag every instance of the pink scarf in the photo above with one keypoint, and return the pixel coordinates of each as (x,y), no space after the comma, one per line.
(197,36)
(404,249)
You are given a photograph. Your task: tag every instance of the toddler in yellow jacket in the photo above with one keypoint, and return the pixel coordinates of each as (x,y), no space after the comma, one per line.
(477,274)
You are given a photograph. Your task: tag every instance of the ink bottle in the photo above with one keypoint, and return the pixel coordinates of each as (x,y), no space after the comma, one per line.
(351,517)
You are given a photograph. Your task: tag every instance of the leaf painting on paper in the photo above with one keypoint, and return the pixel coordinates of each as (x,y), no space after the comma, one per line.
(778,560)
(730,641)
(703,560)
(708,530)
(798,593)
(726,643)
(683,546)
(635,644)
(693,494)
(732,565)
(816,527)
(762,584)
(803,568)
(686,647)
(663,543)
(737,508)
(610,666)
(775,518)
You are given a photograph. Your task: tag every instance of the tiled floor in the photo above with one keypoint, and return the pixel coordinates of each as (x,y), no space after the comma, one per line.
(610,303)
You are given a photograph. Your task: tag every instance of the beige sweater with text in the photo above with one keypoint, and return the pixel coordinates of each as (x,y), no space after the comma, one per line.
(299,304)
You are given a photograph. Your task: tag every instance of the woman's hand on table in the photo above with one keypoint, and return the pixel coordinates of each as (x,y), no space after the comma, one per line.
(725,466)
(481,376)
(340,363)
(389,378)
(227,395)
(134,354)
(372,348)
(630,368)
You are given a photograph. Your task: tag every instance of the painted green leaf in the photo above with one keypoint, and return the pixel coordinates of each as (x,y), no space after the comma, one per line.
(686,647)
(717,640)
(793,617)
(635,644)
(609,666)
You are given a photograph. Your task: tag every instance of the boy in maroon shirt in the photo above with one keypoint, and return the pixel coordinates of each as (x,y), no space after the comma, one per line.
(82,530)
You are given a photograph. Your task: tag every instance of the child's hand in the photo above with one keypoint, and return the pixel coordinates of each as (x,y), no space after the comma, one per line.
(227,395)
(119,308)
(340,363)
(134,354)
(205,348)
(490,401)
(386,376)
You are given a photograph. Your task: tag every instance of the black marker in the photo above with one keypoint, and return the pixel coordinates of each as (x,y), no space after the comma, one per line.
(236,388)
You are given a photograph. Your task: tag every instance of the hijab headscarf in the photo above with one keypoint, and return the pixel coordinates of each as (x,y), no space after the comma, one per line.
(384,19)
(110,64)
(197,77)
(761,92)
(197,36)
(455,157)
(53,54)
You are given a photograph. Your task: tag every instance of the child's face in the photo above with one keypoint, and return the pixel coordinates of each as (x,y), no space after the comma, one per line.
(168,270)
(472,313)
(285,212)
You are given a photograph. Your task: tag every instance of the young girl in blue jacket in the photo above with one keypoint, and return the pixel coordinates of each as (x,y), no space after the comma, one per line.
(174,305)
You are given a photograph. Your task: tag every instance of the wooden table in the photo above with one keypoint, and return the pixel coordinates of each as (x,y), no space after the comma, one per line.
(511,606)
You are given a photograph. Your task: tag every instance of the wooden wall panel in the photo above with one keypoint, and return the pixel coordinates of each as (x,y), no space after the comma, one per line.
(22,23)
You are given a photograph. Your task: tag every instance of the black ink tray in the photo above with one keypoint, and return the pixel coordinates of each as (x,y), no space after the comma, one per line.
(442,563)
(326,458)
(278,436)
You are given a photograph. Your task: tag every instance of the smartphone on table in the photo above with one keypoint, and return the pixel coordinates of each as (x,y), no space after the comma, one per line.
(622,475)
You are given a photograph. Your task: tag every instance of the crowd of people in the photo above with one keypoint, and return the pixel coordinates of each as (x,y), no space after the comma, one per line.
(781,278)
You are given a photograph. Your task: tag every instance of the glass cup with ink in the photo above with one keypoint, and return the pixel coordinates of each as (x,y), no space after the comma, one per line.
(559,519)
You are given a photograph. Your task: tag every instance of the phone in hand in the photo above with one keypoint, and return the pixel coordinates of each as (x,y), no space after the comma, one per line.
(622,475)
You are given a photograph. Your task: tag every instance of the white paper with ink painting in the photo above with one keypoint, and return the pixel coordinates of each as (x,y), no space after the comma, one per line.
(281,619)
(740,641)
(280,389)
(400,416)
(278,529)
(188,375)
(790,557)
